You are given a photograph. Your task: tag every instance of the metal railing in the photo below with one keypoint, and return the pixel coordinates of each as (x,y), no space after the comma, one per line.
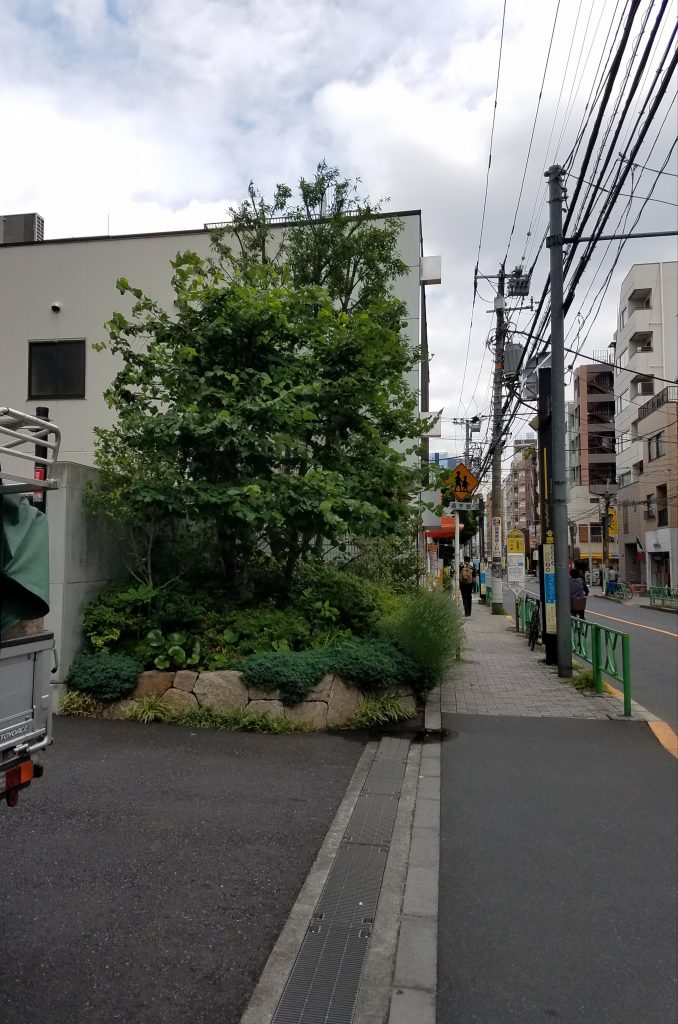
(664,597)
(668,394)
(607,651)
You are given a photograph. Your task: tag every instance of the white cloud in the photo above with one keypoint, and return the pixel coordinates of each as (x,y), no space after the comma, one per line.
(154,114)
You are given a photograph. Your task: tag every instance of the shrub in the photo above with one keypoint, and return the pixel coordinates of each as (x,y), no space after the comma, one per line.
(105,676)
(327,595)
(391,562)
(151,708)
(79,705)
(123,613)
(373,665)
(373,711)
(427,627)
(293,673)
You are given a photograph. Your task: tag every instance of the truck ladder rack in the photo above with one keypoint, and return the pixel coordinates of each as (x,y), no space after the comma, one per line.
(19,435)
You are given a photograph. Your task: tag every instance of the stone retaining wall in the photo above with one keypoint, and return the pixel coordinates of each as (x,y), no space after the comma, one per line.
(328,704)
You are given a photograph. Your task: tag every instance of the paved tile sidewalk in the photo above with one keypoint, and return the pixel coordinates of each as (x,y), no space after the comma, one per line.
(499,675)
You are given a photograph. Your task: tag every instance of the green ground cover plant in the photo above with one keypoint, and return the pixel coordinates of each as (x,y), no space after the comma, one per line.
(375,711)
(104,676)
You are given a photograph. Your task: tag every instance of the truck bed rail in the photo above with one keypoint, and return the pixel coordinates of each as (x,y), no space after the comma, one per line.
(19,434)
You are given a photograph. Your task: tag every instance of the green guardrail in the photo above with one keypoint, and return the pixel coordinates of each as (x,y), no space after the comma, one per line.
(664,597)
(607,651)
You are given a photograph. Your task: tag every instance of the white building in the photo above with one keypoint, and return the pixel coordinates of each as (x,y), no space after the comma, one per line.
(55,297)
(646,401)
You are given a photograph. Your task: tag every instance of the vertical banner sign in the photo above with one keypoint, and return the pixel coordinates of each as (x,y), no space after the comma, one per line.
(550,582)
(483,580)
(496,537)
(515,556)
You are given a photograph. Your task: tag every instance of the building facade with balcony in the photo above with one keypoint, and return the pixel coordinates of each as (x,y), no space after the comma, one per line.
(592,469)
(646,410)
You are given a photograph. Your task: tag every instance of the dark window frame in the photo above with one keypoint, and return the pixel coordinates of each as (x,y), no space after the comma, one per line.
(55,393)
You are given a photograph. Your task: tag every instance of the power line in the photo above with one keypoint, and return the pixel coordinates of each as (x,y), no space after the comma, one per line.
(534,125)
(650,169)
(482,219)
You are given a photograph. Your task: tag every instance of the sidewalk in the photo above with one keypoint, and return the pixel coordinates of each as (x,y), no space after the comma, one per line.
(558,848)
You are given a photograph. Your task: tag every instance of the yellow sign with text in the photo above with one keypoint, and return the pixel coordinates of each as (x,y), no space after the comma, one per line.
(613,527)
(515,543)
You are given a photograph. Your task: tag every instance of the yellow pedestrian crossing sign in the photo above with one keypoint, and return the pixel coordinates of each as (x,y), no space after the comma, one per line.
(461,482)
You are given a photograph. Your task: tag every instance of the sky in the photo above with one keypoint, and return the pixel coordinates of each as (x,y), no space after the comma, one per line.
(148,115)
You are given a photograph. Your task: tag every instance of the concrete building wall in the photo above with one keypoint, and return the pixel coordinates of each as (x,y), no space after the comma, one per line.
(80,275)
(84,555)
(646,353)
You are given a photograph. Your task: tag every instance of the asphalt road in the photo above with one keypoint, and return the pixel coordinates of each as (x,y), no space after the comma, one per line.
(147,876)
(558,873)
(654,651)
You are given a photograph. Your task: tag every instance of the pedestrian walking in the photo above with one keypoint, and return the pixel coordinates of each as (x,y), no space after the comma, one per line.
(466,578)
(578,594)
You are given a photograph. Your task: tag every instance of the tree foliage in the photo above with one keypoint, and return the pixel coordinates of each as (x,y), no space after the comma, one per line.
(270,410)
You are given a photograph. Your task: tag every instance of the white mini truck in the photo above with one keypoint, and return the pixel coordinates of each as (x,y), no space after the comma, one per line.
(29,447)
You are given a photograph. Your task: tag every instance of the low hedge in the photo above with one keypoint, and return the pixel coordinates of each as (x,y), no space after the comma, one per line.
(371,665)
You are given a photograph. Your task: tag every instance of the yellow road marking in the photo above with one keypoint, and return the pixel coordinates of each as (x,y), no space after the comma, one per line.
(666,736)
(640,625)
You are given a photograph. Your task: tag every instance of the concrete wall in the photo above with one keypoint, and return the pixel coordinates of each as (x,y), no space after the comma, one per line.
(81,274)
(84,556)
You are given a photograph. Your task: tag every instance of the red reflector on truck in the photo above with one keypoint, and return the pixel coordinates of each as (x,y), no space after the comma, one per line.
(18,776)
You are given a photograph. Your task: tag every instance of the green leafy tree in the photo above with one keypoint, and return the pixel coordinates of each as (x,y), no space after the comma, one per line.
(271,410)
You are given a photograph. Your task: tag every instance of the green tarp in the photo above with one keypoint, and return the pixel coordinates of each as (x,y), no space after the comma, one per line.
(24,561)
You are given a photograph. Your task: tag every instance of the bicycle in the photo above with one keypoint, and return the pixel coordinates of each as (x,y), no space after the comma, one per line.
(534,628)
(621,592)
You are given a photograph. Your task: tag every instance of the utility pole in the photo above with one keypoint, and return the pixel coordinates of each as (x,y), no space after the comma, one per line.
(605,523)
(559,497)
(500,337)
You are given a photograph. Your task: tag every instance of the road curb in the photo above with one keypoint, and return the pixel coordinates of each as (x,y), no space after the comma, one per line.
(414,993)
(266,996)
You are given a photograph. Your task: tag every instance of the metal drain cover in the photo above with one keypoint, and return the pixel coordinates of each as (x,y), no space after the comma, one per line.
(323,984)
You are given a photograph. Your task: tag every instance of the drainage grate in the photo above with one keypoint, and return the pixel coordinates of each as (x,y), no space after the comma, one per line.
(323,984)
(372,820)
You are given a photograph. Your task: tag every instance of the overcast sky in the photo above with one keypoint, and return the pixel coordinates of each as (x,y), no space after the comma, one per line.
(154,114)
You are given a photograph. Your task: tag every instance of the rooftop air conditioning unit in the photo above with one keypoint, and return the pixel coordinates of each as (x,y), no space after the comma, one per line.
(21,227)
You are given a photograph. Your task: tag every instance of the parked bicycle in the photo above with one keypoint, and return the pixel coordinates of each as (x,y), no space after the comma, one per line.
(534,628)
(621,592)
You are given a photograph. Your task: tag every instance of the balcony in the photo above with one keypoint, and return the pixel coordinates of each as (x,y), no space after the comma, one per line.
(668,394)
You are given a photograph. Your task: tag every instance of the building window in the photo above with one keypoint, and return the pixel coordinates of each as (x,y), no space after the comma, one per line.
(624,479)
(583,534)
(622,402)
(596,533)
(56,369)
(662,506)
(656,447)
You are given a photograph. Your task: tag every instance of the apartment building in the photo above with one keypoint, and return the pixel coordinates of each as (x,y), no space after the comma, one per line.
(522,492)
(591,460)
(646,410)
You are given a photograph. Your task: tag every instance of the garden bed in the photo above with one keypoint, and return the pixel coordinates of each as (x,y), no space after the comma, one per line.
(330,704)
